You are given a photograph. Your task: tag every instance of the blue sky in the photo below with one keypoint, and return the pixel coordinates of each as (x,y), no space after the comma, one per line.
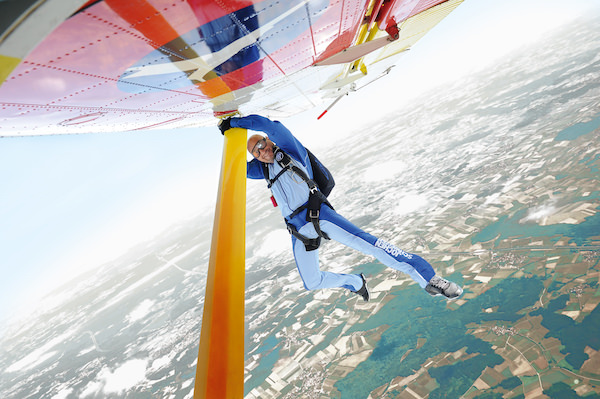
(70,203)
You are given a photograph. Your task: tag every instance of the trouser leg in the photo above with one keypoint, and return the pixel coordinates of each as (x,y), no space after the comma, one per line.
(340,229)
(308,267)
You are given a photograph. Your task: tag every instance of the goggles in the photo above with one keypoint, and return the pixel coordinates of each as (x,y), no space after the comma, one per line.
(260,144)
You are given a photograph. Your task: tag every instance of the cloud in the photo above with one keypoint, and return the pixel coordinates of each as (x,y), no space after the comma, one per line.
(126,376)
(410,203)
(384,171)
(39,355)
(141,310)
(275,243)
(539,214)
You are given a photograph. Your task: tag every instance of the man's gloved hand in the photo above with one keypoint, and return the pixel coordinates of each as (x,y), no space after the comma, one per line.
(224,125)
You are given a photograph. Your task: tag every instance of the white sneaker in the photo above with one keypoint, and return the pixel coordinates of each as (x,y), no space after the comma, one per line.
(441,286)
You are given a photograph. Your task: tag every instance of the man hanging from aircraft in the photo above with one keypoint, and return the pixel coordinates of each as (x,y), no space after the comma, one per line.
(299,184)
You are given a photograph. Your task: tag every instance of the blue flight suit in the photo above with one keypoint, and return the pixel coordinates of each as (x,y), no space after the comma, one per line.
(291,192)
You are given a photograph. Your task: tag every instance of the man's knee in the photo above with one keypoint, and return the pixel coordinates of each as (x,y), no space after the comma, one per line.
(314,283)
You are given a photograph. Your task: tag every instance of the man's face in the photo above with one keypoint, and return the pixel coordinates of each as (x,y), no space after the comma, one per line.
(261,148)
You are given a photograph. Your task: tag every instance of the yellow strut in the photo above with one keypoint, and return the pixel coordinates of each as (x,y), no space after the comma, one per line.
(7,65)
(220,369)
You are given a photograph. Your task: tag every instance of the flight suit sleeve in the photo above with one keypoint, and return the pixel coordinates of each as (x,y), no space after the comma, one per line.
(277,133)
(254,170)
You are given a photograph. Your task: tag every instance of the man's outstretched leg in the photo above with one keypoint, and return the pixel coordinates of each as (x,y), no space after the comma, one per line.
(341,230)
(314,278)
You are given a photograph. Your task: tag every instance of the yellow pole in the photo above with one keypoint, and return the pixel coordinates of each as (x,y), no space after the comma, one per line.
(220,369)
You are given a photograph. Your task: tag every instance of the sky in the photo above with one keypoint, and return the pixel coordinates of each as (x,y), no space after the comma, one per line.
(70,203)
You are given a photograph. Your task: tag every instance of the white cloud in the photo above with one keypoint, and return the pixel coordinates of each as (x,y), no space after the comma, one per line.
(126,376)
(39,355)
(144,308)
(161,362)
(410,203)
(275,243)
(30,361)
(383,171)
(63,393)
(91,388)
(539,214)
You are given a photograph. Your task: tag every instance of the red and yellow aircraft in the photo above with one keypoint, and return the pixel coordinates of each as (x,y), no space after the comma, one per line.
(112,65)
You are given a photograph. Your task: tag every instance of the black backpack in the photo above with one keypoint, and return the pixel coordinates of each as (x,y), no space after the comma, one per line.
(322,177)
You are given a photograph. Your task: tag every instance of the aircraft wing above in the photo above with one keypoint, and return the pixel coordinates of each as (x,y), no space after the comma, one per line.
(111,65)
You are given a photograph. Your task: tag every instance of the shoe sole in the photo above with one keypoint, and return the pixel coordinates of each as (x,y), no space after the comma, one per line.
(366,288)
(448,298)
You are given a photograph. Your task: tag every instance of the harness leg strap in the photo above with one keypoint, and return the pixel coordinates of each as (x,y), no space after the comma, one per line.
(313,217)
(309,243)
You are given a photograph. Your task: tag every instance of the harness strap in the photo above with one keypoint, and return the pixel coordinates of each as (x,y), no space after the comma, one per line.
(313,212)
(309,243)
(285,161)
(273,180)
(313,206)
